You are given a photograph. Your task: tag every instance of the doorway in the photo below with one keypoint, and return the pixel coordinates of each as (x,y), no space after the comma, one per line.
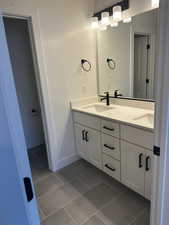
(21,53)
(142,77)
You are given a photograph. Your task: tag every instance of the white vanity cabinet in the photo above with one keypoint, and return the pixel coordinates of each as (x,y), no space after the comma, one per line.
(88,141)
(123,152)
(136,159)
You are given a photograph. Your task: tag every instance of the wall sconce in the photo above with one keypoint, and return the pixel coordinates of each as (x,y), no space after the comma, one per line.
(86,65)
(117,13)
(113,23)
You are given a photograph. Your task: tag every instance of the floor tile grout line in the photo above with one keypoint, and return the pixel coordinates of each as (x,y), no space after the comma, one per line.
(64,184)
(98,210)
(66,204)
(71,216)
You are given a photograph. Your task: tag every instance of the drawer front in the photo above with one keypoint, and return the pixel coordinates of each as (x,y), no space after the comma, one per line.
(111,146)
(110,128)
(111,167)
(137,136)
(87,120)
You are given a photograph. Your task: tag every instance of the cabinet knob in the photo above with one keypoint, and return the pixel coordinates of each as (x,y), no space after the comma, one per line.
(86,136)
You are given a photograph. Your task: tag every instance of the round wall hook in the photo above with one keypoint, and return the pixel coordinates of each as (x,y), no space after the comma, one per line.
(86,65)
(111,64)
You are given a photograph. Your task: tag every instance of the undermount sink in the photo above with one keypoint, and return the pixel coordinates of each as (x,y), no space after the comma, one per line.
(147,118)
(98,108)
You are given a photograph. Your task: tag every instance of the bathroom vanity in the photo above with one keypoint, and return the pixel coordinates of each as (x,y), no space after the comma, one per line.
(118,140)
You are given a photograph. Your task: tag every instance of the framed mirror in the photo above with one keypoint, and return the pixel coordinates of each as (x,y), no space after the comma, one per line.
(126,57)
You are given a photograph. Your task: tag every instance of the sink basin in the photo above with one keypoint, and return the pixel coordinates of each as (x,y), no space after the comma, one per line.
(98,108)
(147,118)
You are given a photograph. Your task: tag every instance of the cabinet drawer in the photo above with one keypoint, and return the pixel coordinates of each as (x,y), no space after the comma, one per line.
(110,146)
(137,136)
(111,167)
(110,128)
(87,120)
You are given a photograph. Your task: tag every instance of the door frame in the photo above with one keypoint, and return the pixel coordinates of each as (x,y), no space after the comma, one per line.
(42,94)
(160,190)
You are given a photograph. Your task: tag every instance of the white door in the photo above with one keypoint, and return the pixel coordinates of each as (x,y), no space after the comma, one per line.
(81,144)
(15,208)
(148,174)
(133,167)
(94,147)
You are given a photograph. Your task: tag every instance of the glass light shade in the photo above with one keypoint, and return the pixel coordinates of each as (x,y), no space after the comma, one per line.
(127,20)
(105,18)
(94,22)
(155,3)
(117,13)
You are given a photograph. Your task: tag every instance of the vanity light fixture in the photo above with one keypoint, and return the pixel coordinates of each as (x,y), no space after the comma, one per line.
(105,18)
(94,22)
(117,13)
(127,20)
(155,3)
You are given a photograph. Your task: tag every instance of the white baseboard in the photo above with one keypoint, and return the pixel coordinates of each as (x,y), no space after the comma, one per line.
(65,162)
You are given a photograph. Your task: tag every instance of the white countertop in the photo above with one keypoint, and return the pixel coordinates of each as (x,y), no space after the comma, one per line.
(143,118)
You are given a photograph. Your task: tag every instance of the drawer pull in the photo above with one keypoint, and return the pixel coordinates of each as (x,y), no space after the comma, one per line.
(109,147)
(107,128)
(140,160)
(108,167)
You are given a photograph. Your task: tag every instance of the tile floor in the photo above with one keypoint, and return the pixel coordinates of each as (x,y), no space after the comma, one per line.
(80,194)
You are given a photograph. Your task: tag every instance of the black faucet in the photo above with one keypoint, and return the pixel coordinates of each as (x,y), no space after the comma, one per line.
(116,95)
(107,97)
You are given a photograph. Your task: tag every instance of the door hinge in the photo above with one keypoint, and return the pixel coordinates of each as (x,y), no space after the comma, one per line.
(28,188)
(156,150)
(148,46)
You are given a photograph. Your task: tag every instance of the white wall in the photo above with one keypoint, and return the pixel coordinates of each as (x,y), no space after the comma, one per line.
(65,38)
(24,75)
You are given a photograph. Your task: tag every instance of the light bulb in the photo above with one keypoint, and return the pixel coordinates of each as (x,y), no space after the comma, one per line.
(155,3)
(105,18)
(94,22)
(117,13)
(127,20)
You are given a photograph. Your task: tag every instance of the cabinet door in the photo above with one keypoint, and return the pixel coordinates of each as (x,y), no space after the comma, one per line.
(148,174)
(94,147)
(133,166)
(81,144)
